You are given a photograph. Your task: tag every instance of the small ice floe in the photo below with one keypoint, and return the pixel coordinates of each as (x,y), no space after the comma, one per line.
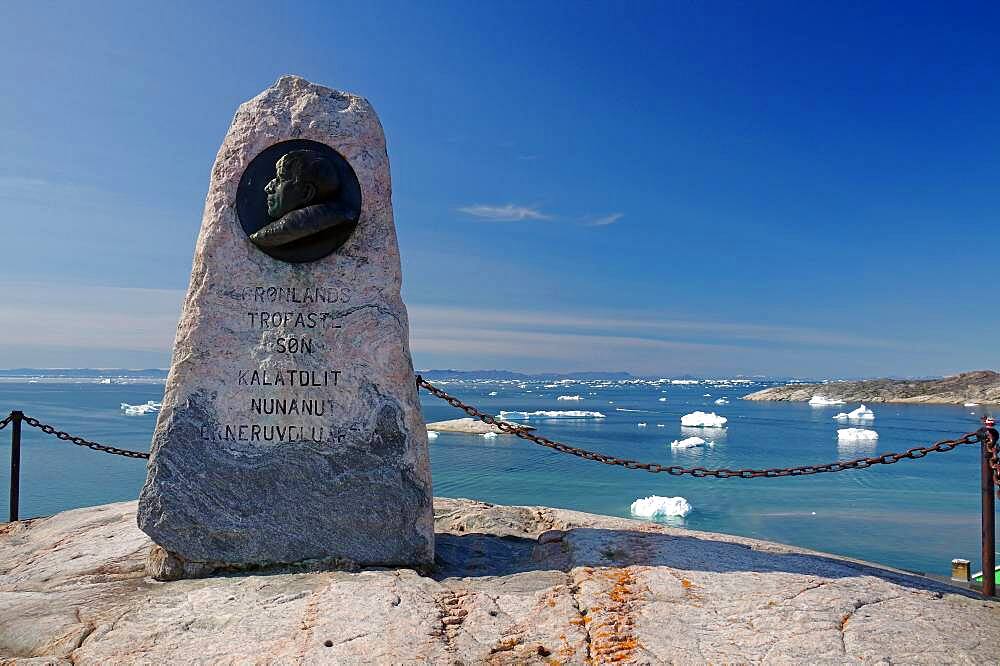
(971,404)
(862,413)
(663,399)
(823,401)
(641,424)
(655,506)
(431,434)
(660,425)
(622,409)
(489,435)
(492,393)
(569,397)
(150,407)
(553,414)
(703,419)
(106,380)
(690,443)
(722,401)
(857,435)
(707,395)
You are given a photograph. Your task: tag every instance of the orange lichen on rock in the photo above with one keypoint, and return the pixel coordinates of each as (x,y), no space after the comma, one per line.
(612,636)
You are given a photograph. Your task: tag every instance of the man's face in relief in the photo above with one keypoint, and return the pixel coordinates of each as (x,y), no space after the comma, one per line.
(286,192)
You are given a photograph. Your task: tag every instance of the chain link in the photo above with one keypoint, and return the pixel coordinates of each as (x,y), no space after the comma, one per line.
(701,472)
(7,419)
(80,441)
(990,439)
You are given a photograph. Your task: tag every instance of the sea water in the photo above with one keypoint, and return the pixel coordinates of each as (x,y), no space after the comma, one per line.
(915,514)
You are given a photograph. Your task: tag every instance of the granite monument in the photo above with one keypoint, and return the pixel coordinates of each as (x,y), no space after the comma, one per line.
(290,430)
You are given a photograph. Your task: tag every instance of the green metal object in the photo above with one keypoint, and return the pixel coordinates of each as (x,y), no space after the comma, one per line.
(978,577)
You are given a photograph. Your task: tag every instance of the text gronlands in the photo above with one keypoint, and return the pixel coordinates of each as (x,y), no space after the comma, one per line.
(295,391)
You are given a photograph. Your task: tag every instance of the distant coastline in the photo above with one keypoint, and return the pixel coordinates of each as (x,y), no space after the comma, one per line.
(979,387)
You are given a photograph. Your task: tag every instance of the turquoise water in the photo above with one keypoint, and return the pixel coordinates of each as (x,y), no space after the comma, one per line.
(916,515)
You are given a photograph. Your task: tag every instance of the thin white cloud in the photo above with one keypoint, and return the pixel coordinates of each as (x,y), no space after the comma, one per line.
(644,325)
(506,213)
(605,220)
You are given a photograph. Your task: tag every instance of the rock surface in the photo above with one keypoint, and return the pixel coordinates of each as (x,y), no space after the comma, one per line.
(981,386)
(352,482)
(471,426)
(512,585)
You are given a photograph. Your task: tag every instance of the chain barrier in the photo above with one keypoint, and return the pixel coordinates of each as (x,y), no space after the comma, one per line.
(700,472)
(79,441)
(990,439)
(7,419)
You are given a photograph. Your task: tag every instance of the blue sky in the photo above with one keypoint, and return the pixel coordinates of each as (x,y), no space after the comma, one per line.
(663,188)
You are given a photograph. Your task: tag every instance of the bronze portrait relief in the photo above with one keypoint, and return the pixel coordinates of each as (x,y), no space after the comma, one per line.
(298,201)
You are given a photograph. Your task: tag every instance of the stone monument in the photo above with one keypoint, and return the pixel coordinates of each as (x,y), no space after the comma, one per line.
(290,430)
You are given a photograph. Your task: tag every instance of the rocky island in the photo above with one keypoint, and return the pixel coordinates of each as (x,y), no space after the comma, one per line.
(510,585)
(980,387)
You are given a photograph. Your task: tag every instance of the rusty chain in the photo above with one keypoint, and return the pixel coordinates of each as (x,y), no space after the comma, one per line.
(80,441)
(990,439)
(700,472)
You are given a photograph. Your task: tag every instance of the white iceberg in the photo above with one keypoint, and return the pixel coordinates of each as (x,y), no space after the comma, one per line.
(654,506)
(150,407)
(660,425)
(552,414)
(489,435)
(823,401)
(862,413)
(707,395)
(722,401)
(106,380)
(641,424)
(971,404)
(663,399)
(690,443)
(703,419)
(431,434)
(857,434)
(683,382)
(569,397)
(492,393)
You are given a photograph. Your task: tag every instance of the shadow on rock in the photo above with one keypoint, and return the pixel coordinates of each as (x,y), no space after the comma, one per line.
(478,554)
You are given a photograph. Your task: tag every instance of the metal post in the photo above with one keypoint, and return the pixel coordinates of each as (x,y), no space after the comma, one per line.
(989,536)
(15,462)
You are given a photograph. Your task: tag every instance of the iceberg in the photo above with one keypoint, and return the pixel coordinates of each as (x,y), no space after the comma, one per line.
(654,505)
(971,404)
(489,435)
(722,401)
(690,443)
(149,407)
(862,413)
(707,395)
(569,397)
(641,424)
(703,419)
(431,435)
(823,401)
(492,393)
(552,414)
(857,434)
(663,399)
(683,382)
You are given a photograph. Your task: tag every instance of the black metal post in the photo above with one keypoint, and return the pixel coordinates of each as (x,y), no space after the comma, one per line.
(15,462)
(989,535)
